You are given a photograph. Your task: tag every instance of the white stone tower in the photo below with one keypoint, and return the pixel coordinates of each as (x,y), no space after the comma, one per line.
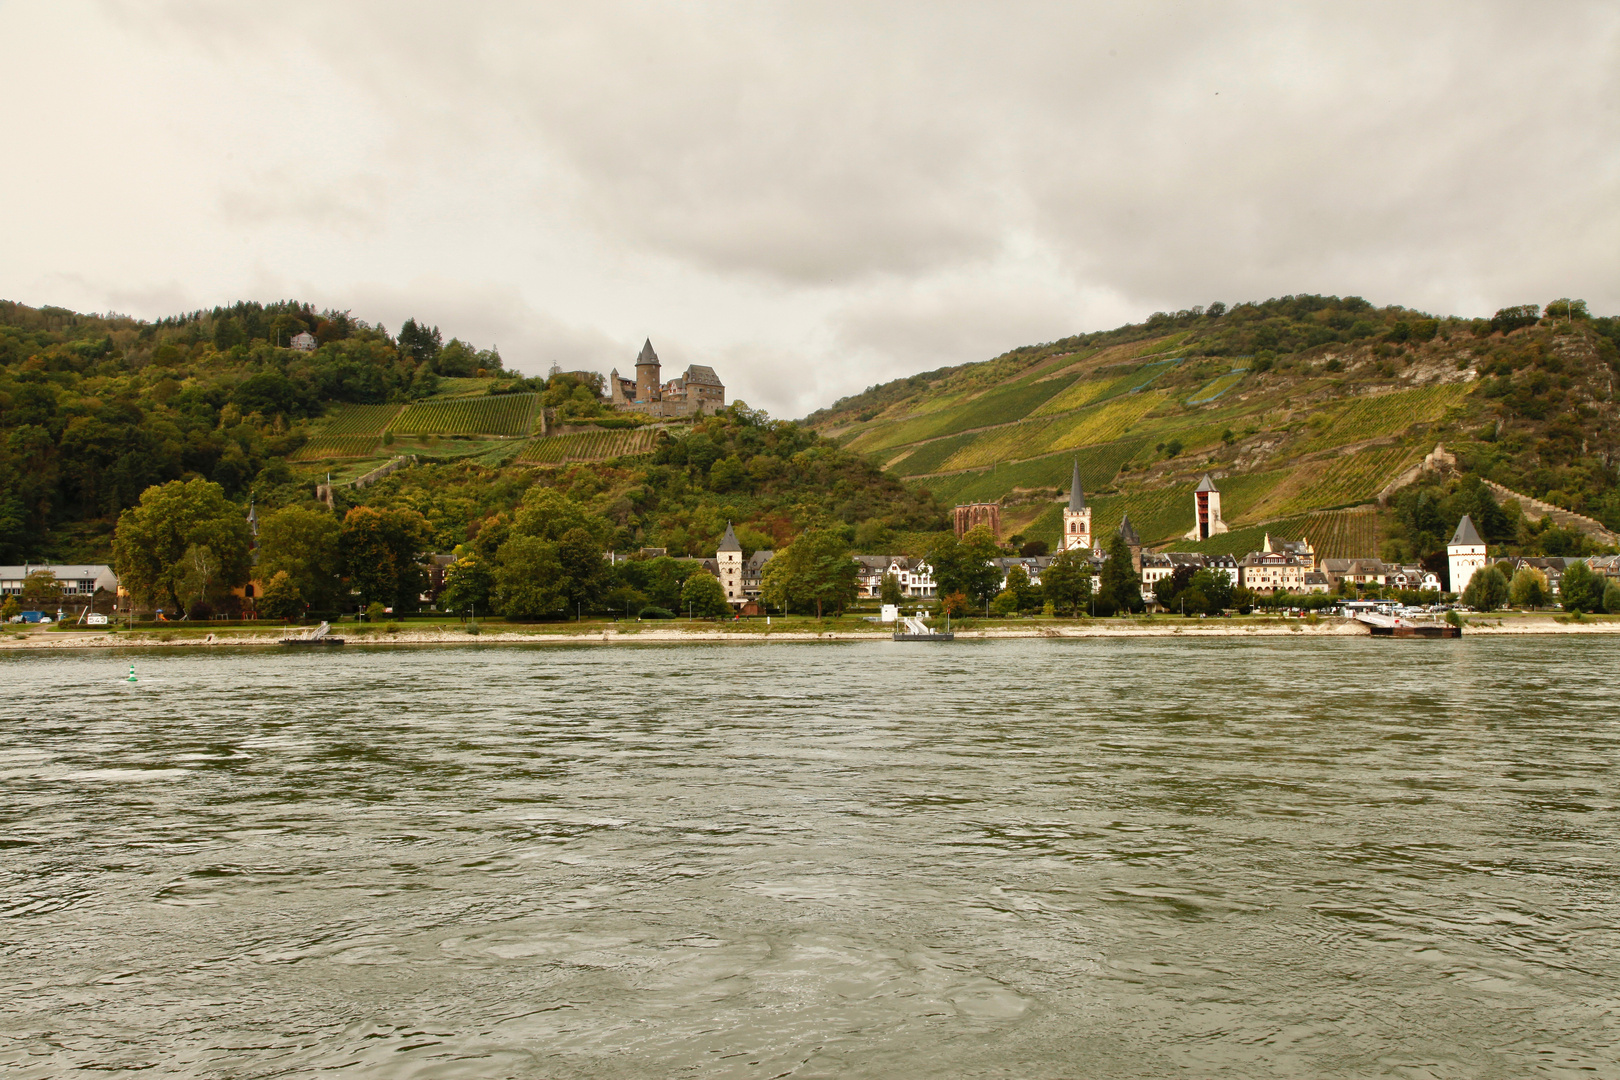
(1207,520)
(1076,517)
(729,557)
(1465,553)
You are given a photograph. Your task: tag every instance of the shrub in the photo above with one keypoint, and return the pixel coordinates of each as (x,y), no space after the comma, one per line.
(1581,590)
(654,612)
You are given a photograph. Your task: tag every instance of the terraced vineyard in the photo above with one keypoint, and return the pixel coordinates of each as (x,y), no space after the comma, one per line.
(505,414)
(1335,534)
(1098,467)
(1212,390)
(452,386)
(362,420)
(1077,395)
(997,406)
(588,446)
(1386,414)
(1336,481)
(930,457)
(1344,534)
(1025,440)
(335,447)
(1104,423)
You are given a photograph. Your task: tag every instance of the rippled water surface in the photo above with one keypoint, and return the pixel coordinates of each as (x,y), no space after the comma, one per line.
(1089,858)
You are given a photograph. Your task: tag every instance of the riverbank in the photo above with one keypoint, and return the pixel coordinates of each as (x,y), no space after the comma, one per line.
(625,633)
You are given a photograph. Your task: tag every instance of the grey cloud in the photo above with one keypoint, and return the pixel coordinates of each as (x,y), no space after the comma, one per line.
(899,186)
(351,206)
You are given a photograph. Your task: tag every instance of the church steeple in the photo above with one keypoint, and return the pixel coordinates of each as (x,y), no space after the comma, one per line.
(1076,516)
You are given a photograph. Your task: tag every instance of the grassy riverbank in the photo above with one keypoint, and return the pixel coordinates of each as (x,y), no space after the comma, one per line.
(449,632)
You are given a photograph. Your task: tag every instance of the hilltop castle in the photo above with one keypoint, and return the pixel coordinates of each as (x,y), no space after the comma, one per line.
(699,390)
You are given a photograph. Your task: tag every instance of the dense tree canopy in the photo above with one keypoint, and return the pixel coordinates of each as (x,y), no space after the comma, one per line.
(174,521)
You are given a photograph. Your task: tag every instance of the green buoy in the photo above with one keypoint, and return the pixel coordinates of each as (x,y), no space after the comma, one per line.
(131,671)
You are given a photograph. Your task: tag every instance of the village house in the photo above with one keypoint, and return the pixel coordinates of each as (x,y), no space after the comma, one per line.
(1356,571)
(1032,564)
(1158,565)
(1301,549)
(1271,572)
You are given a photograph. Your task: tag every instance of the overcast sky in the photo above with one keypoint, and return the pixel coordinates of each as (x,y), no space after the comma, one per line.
(810,197)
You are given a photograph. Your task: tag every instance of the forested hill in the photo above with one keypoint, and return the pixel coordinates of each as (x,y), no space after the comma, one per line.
(95,409)
(1305,408)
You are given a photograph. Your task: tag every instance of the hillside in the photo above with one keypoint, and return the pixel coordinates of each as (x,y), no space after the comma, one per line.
(1304,408)
(95,409)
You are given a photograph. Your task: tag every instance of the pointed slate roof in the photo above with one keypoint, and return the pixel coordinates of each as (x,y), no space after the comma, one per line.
(1077,497)
(1206,484)
(1127,532)
(728,542)
(1467,534)
(647,355)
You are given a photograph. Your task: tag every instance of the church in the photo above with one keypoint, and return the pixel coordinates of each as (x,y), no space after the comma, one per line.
(698,391)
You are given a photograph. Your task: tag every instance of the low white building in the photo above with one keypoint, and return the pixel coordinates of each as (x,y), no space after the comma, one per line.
(76,579)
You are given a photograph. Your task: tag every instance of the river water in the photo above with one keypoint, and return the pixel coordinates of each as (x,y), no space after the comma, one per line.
(1106,858)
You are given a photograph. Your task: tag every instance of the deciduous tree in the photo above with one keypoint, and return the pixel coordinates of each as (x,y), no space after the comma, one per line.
(703,596)
(529,579)
(382,553)
(964,565)
(40,590)
(1528,588)
(889,589)
(1579,589)
(303,544)
(281,598)
(468,585)
(1487,590)
(1068,581)
(153,537)
(815,571)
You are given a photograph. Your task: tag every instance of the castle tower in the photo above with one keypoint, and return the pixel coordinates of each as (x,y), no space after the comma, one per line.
(728,556)
(1465,554)
(1207,520)
(647,384)
(1076,517)
(1132,541)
